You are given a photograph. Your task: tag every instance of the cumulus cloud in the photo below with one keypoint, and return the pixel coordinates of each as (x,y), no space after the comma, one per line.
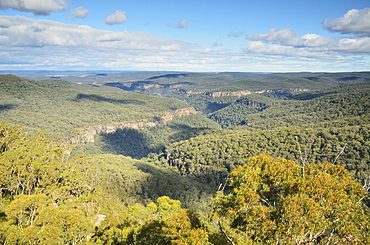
(354,21)
(288,43)
(182,24)
(117,17)
(37,7)
(284,36)
(290,38)
(283,50)
(47,43)
(79,12)
(18,31)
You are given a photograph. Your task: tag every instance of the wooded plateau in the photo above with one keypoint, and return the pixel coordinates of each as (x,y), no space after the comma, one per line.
(185,158)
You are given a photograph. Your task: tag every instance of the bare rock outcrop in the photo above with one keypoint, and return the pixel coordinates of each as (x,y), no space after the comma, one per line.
(87,134)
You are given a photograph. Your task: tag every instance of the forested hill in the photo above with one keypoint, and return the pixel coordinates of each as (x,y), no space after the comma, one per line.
(333,122)
(65,109)
(290,166)
(340,106)
(226,97)
(228,81)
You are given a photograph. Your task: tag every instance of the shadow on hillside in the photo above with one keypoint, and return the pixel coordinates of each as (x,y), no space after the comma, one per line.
(213,106)
(143,85)
(351,78)
(309,95)
(137,144)
(168,76)
(184,132)
(6,107)
(166,182)
(99,98)
(128,142)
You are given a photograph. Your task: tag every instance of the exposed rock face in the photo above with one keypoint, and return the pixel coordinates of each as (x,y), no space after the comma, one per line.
(87,134)
(246,92)
(229,93)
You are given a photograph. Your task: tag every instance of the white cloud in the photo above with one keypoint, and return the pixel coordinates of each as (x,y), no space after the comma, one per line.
(117,17)
(37,7)
(290,38)
(287,51)
(288,43)
(79,12)
(284,37)
(27,43)
(354,21)
(182,24)
(206,50)
(315,40)
(353,45)
(18,31)
(45,43)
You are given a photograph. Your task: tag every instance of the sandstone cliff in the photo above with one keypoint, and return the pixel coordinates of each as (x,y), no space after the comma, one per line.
(87,134)
(246,92)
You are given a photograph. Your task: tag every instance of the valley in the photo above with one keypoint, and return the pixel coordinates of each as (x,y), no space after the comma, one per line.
(125,157)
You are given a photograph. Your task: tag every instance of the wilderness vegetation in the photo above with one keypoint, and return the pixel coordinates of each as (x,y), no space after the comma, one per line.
(267,159)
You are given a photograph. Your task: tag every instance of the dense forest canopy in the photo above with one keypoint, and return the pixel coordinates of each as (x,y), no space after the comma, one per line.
(185,158)
(62,107)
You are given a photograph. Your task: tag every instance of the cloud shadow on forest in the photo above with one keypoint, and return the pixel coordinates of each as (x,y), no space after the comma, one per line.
(167,182)
(213,106)
(128,142)
(99,98)
(6,107)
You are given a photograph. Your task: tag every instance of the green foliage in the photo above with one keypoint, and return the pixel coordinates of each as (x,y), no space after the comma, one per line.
(280,202)
(39,197)
(163,222)
(86,192)
(138,143)
(351,108)
(39,221)
(229,81)
(234,114)
(210,157)
(60,108)
(28,164)
(48,197)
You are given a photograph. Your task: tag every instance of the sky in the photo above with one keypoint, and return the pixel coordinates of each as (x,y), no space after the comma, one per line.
(192,35)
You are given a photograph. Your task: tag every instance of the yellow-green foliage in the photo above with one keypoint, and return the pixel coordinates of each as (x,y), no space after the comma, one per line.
(46,199)
(279,201)
(163,222)
(108,199)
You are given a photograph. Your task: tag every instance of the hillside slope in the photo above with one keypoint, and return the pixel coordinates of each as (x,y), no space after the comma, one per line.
(62,107)
(305,131)
(77,113)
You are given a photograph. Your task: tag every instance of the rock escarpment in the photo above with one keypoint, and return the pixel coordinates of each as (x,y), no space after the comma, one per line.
(87,134)
(246,92)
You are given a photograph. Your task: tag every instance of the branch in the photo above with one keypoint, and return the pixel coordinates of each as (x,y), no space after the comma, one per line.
(340,153)
(366,185)
(224,233)
(300,152)
(222,188)
(336,158)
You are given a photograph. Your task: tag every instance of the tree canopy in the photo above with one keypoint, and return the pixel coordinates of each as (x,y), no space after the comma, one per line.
(281,202)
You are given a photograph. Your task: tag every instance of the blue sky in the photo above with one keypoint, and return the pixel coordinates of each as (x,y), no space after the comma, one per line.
(192,35)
